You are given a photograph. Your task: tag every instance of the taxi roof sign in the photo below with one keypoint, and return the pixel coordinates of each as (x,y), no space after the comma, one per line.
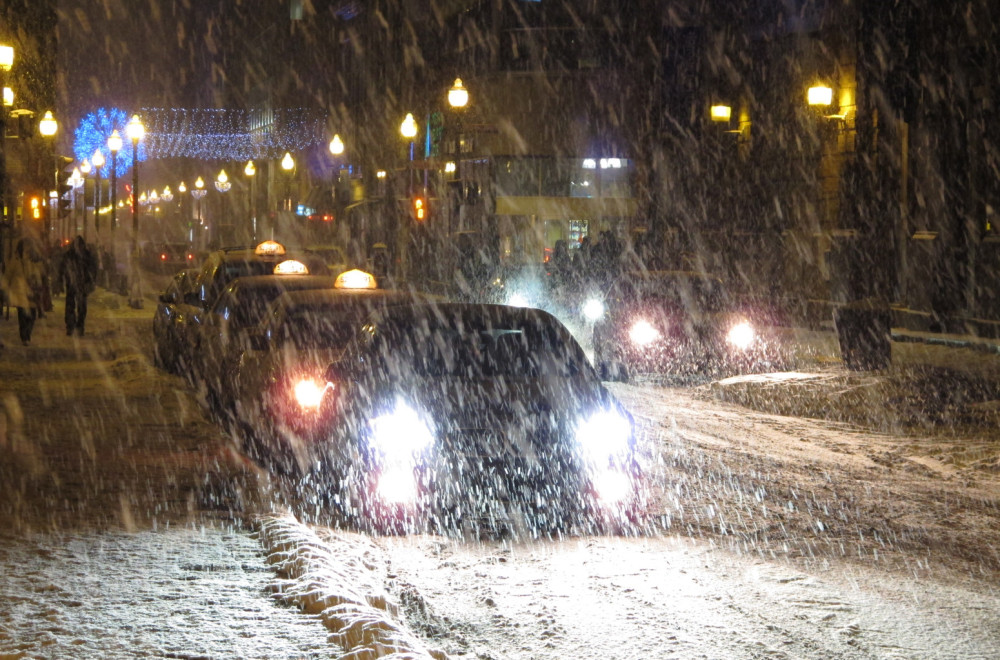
(270,248)
(291,267)
(355,279)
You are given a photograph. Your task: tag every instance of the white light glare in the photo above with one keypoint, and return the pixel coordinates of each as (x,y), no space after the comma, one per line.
(741,335)
(517,300)
(603,435)
(612,486)
(397,485)
(643,333)
(401,433)
(593,309)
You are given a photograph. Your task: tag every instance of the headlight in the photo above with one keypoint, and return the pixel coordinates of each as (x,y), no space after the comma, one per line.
(612,486)
(741,335)
(604,435)
(593,309)
(517,300)
(309,393)
(397,485)
(400,434)
(643,333)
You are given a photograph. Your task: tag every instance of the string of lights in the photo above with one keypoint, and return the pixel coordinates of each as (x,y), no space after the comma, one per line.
(210,134)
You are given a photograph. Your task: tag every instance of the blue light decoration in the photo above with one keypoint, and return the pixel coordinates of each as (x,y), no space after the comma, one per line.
(92,133)
(203,133)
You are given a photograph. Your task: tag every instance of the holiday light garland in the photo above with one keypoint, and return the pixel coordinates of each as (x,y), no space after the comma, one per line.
(201,133)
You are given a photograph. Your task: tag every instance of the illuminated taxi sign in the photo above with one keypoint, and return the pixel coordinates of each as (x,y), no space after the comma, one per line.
(355,279)
(269,248)
(291,267)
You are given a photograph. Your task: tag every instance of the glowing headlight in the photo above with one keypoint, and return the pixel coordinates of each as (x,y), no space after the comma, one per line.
(593,309)
(397,485)
(603,435)
(643,333)
(741,335)
(309,393)
(400,434)
(517,300)
(612,486)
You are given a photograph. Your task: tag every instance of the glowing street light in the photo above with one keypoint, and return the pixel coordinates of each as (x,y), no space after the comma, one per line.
(336,145)
(458,95)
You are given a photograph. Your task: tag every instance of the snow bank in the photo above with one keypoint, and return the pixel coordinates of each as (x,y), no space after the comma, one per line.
(341,586)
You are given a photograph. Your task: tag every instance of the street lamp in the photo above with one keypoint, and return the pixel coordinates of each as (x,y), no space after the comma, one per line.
(6,62)
(114,146)
(48,126)
(75,180)
(222,184)
(288,164)
(134,130)
(198,192)
(98,162)
(336,145)
(85,170)
(250,171)
(458,95)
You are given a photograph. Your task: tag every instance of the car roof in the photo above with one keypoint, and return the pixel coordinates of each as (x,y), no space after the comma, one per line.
(445,311)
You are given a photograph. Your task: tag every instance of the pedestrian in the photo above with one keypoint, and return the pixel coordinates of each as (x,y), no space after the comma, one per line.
(22,281)
(78,272)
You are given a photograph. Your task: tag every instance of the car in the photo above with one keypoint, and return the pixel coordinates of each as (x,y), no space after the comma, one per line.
(226,264)
(220,335)
(280,376)
(171,257)
(170,317)
(473,417)
(679,324)
(332,255)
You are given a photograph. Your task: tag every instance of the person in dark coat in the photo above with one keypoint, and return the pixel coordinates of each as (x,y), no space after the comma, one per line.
(78,272)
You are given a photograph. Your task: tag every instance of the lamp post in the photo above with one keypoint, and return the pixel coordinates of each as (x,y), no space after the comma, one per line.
(114,145)
(134,131)
(85,170)
(288,165)
(222,184)
(250,171)
(6,62)
(182,189)
(48,126)
(98,162)
(198,192)
(75,180)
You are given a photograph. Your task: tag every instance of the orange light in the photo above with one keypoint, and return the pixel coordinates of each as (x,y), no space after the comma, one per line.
(419,209)
(270,248)
(163,257)
(355,279)
(291,267)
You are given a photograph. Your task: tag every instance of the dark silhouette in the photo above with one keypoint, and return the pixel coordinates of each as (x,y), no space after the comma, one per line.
(78,272)
(22,281)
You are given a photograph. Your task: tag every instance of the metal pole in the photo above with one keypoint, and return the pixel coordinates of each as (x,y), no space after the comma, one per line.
(135,293)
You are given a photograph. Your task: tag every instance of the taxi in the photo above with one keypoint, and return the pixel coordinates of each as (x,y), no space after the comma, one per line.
(278,384)
(169,319)
(474,418)
(219,335)
(679,324)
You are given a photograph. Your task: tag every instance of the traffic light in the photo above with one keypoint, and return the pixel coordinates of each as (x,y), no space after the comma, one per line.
(35,209)
(419,209)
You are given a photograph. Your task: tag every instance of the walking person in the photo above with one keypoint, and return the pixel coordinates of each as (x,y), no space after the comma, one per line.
(78,272)
(22,280)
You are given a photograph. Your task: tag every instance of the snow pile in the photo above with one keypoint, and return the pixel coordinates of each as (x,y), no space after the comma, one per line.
(343,591)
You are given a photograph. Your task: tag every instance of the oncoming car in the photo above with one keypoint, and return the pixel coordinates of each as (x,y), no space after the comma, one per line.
(475,416)
(678,323)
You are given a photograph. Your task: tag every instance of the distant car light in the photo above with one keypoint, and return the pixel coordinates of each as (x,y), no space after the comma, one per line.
(741,335)
(163,256)
(355,279)
(291,267)
(400,434)
(643,333)
(397,485)
(593,309)
(604,435)
(269,248)
(309,393)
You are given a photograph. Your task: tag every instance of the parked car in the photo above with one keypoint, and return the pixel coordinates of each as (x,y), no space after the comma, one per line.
(170,257)
(473,416)
(680,323)
(170,318)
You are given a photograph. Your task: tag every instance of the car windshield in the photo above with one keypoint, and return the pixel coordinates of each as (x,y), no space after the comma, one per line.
(474,347)
(671,290)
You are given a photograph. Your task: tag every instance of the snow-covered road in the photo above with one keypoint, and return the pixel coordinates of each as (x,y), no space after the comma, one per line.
(129,527)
